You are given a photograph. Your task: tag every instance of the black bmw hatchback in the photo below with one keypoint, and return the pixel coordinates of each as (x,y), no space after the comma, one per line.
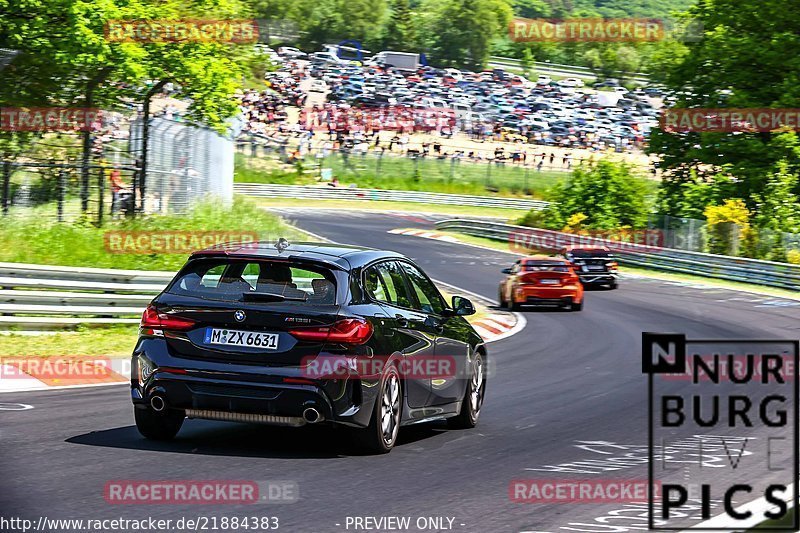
(306,334)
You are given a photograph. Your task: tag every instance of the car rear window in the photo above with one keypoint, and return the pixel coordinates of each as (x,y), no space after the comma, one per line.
(591,253)
(551,266)
(231,280)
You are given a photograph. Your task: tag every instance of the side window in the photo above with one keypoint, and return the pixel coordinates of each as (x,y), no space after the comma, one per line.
(384,282)
(430,300)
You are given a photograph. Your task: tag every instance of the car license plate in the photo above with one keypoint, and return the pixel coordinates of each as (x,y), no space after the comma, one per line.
(549,282)
(250,339)
(595,267)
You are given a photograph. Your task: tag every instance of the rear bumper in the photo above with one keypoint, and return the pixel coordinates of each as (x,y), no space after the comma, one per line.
(590,278)
(223,391)
(547,295)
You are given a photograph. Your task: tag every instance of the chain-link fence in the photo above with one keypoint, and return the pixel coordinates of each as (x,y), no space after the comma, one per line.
(726,239)
(56,191)
(185,163)
(52,181)
(6,56)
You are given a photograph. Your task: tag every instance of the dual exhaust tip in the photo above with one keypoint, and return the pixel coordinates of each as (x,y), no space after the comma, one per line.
(310,414)
(158,404)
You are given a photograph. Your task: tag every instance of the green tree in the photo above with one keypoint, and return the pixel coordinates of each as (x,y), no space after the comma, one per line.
(63,47)
(401,33)
(728,227)
(330,21)
(778,206)
(747,58)
(609,195)
(532,9)
(460,32)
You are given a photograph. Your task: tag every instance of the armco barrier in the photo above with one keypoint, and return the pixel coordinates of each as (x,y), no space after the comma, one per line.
(743,270)
(269,190)
(559,69)
(42,297)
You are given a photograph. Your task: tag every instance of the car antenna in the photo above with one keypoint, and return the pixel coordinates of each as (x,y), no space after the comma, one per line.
(281,245)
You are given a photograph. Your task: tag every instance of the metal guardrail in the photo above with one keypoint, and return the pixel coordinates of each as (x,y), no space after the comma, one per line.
(754,271)
(268,190)
(564,70)
(42,297)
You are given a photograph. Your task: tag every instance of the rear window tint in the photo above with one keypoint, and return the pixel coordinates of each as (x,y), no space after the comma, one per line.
(600,254)
(542,266)
(229,280)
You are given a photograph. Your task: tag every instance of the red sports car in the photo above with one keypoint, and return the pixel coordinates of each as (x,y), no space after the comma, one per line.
(541,280)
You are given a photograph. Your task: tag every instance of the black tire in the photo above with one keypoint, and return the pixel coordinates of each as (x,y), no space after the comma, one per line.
(613,285)
(576,306)
(158,426)
(500,298)
(372,438)
(467,418)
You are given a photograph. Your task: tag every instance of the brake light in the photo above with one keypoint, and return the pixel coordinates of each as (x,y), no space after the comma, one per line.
(298,381)
(613,265)
(153,320)
(346,331)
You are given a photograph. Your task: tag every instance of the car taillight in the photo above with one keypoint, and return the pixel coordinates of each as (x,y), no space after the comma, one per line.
(346,331)
(613,265)
(153,320)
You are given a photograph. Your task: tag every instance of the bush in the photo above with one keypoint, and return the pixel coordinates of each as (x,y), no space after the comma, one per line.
(609,195)
(729,230)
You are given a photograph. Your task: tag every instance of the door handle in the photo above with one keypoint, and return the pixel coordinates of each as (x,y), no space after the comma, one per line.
(434,324)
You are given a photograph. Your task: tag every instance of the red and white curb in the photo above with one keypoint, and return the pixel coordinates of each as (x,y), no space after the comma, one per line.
(496,326)
(51,373)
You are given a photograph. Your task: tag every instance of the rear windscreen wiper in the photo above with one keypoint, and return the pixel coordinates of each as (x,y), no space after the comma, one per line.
(269,297)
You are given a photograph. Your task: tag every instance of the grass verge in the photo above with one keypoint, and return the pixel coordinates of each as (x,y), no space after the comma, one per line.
(412,207)
(402,173)
(31,239)
(109,341)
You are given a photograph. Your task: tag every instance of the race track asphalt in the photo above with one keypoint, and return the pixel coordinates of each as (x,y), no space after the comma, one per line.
(566,380)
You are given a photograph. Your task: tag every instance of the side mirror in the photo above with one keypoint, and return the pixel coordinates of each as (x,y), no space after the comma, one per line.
(506,271)
(462,306)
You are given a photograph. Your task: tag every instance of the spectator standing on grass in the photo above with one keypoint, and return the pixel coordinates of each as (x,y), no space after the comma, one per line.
(404,140)
(540,165)
(117,188)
